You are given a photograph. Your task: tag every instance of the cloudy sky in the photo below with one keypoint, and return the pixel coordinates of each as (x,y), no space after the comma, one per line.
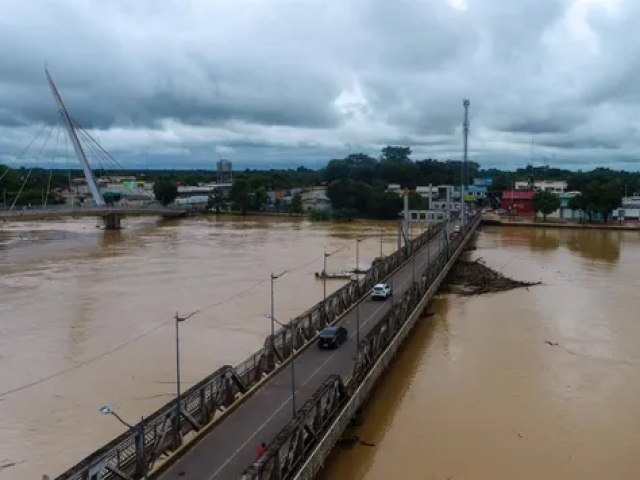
(271,83)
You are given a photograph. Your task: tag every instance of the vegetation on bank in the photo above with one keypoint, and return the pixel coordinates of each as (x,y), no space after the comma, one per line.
(356,185)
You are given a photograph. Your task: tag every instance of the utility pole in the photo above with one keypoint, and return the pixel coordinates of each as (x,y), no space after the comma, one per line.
(358,328)
(324,277)
(178,320)
(358,240)
(465,132)
(274,277)
(293,371)
(381,231)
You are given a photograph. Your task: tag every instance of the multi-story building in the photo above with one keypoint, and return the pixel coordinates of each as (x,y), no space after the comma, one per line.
(554,186)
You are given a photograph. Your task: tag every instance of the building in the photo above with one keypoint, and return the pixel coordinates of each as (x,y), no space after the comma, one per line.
(518,202)
(553,186)
(225,171)
(565,212)
(199,194)
(629,209)
(315,198)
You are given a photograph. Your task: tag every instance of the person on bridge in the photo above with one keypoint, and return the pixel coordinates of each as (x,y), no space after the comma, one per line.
(260,450)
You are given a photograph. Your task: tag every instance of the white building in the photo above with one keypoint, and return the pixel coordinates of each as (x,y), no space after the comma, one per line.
(629,209)
(553,186)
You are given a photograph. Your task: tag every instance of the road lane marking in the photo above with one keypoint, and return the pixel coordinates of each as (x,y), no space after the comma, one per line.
(266,422)
(315,372)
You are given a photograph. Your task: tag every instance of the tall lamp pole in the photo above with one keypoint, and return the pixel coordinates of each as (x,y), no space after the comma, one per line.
(293,363)
(465,131)
(178,320)
(381,231)
(274,277)
(358,240)
(110,411)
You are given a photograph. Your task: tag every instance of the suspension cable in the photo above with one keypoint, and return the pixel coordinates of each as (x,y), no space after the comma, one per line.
(30,170)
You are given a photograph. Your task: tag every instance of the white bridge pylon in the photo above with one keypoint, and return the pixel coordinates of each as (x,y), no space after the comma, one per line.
(88,173)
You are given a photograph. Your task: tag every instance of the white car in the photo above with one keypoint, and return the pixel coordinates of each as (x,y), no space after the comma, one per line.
(381,291)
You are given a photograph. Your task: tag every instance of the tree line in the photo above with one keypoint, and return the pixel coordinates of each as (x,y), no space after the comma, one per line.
(356,184)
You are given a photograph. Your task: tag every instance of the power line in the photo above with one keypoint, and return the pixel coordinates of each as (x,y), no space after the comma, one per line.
(85,363)
(151,330)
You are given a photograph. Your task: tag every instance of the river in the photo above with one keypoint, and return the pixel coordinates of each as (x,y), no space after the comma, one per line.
(537,383)
(476,393)
(87,316)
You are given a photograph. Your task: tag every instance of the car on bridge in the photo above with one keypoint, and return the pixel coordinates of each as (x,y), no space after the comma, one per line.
(381,291)
(332,337)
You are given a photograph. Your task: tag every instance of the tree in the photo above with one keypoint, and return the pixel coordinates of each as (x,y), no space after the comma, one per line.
(259,198)
(546,202)
(240,195)
(395,155)
(165,191)
(216,200)
(296,203)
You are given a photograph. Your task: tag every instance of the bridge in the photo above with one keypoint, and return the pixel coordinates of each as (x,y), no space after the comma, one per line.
(290,394)
(111,215)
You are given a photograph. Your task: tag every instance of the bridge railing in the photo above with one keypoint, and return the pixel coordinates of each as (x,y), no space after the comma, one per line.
(165,429)
(371,347)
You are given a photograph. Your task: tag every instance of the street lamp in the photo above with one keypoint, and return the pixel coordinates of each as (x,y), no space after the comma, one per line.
(293,361)
(358,240)
(106,410)
(178,320)
(274,277)
(381,231)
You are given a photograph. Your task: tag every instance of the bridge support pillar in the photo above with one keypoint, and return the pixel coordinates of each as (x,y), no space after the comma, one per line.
(112,221)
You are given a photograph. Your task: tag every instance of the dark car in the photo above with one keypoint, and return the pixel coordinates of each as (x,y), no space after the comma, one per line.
(332,337)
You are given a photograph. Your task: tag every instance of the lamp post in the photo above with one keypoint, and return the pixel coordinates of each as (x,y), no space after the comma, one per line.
(293,362)
(381,231)
(106,410)
(358,240)
(358,329)
(274,277)
(178,320)
(324,271)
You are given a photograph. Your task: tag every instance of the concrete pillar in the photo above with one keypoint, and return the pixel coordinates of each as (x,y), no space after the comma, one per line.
(112,221)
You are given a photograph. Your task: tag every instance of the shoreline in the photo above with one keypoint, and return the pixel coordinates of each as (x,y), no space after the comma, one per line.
(575,226)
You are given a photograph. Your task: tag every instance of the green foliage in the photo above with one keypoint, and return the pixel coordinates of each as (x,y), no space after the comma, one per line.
(259,198)
(216,201)
(110,197)
(240,195)
(165,191)
(319,215)
(599,197)
(296,203)
(546,203)
(395,155)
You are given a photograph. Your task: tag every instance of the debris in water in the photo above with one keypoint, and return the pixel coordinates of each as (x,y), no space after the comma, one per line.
(475,278)
(553,344)
(355,439)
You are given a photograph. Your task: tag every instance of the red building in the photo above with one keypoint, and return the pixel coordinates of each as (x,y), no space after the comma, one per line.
(518,202)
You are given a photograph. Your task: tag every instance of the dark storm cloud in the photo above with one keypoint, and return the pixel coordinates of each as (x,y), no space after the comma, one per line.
(304,81)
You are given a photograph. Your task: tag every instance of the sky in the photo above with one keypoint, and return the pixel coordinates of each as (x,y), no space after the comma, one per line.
(283,83)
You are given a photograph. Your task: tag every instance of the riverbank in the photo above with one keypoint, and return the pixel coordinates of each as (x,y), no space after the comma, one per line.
(542,224)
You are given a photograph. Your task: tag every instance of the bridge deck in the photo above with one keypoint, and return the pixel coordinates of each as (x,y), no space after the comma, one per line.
(231,446)
(53,212)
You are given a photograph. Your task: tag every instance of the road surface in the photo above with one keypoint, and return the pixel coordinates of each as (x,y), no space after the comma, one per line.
(231,446)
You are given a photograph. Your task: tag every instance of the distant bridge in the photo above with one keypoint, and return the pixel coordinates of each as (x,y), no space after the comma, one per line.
(110,214)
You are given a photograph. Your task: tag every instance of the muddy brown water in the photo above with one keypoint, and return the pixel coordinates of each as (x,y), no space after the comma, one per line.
(86,321)
(478,393)
(86,316)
